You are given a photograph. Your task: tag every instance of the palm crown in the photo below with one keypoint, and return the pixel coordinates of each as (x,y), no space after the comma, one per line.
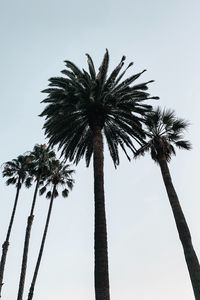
(41,156)
(18,171)
(165,131)
(82,101)
(60,175)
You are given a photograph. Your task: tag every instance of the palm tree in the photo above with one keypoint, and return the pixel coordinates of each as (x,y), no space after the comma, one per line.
(82,107)
(165,131)
(41,157)
(17,171)
(61,175)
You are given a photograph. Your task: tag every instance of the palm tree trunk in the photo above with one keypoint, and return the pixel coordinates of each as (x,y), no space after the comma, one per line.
(100,234)
(32,287)
(183,230)
(26,245)
(6,243)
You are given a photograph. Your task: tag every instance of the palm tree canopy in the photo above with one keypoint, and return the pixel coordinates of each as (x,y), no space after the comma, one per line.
(60,175)
(81,101)
(165,132)
(18,171)
(41,157)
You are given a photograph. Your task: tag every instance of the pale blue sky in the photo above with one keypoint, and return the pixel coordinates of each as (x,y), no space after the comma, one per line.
(145,256)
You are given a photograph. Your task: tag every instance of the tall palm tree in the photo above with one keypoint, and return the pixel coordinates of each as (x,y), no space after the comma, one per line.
(165,132)
(61,175)
(82,107)
(41,157)
(17,171)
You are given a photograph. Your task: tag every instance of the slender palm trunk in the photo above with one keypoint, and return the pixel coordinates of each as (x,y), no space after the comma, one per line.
(32,287)
(6,243)
(100,234)
(183,230)
(26,245)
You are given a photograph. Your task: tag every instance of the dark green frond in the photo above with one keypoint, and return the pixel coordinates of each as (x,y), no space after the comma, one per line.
(48,195)
(77,72)
(142,150)
(168,117)
(42,190)
(28,182)
(123,73)
(111,81)
(112,142)
(103,69)
(65,193)
(184,145)
(70,183)
(11,180)
(179,125)
(88,154)
(55,193)
(91,67)
(128,81)
(172,150)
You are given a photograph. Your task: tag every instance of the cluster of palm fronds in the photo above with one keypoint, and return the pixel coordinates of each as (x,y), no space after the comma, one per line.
(84,108)
(41,168)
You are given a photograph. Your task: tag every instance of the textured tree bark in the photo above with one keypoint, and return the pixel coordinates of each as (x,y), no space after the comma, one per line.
(26,245)
(32,287)
(6,243)
(183,230)
(100,234)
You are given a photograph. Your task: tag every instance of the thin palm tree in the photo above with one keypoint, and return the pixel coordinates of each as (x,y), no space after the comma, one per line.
(41,157)
(61,175)
(82,108)
(17,171)
(165,132)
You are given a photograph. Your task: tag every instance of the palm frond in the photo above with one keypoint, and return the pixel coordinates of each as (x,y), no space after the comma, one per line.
(103,69)
(42,190)
(142,150)
(180,125)
(11,180)
(128,81)
(74,68)
(184,145)
(28,182)
(168,117)
(65,193)
(123,73)
(111,81)
(91,66)
(48,195)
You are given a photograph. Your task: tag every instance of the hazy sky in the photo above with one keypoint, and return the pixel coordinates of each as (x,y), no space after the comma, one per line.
(145,256)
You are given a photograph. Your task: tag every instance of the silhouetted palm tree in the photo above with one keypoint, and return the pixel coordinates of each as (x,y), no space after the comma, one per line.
(83,107)
(61,175)
(41,157)
(165,131)
(17,171)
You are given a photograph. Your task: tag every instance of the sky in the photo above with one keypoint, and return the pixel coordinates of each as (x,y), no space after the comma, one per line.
(145,255)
